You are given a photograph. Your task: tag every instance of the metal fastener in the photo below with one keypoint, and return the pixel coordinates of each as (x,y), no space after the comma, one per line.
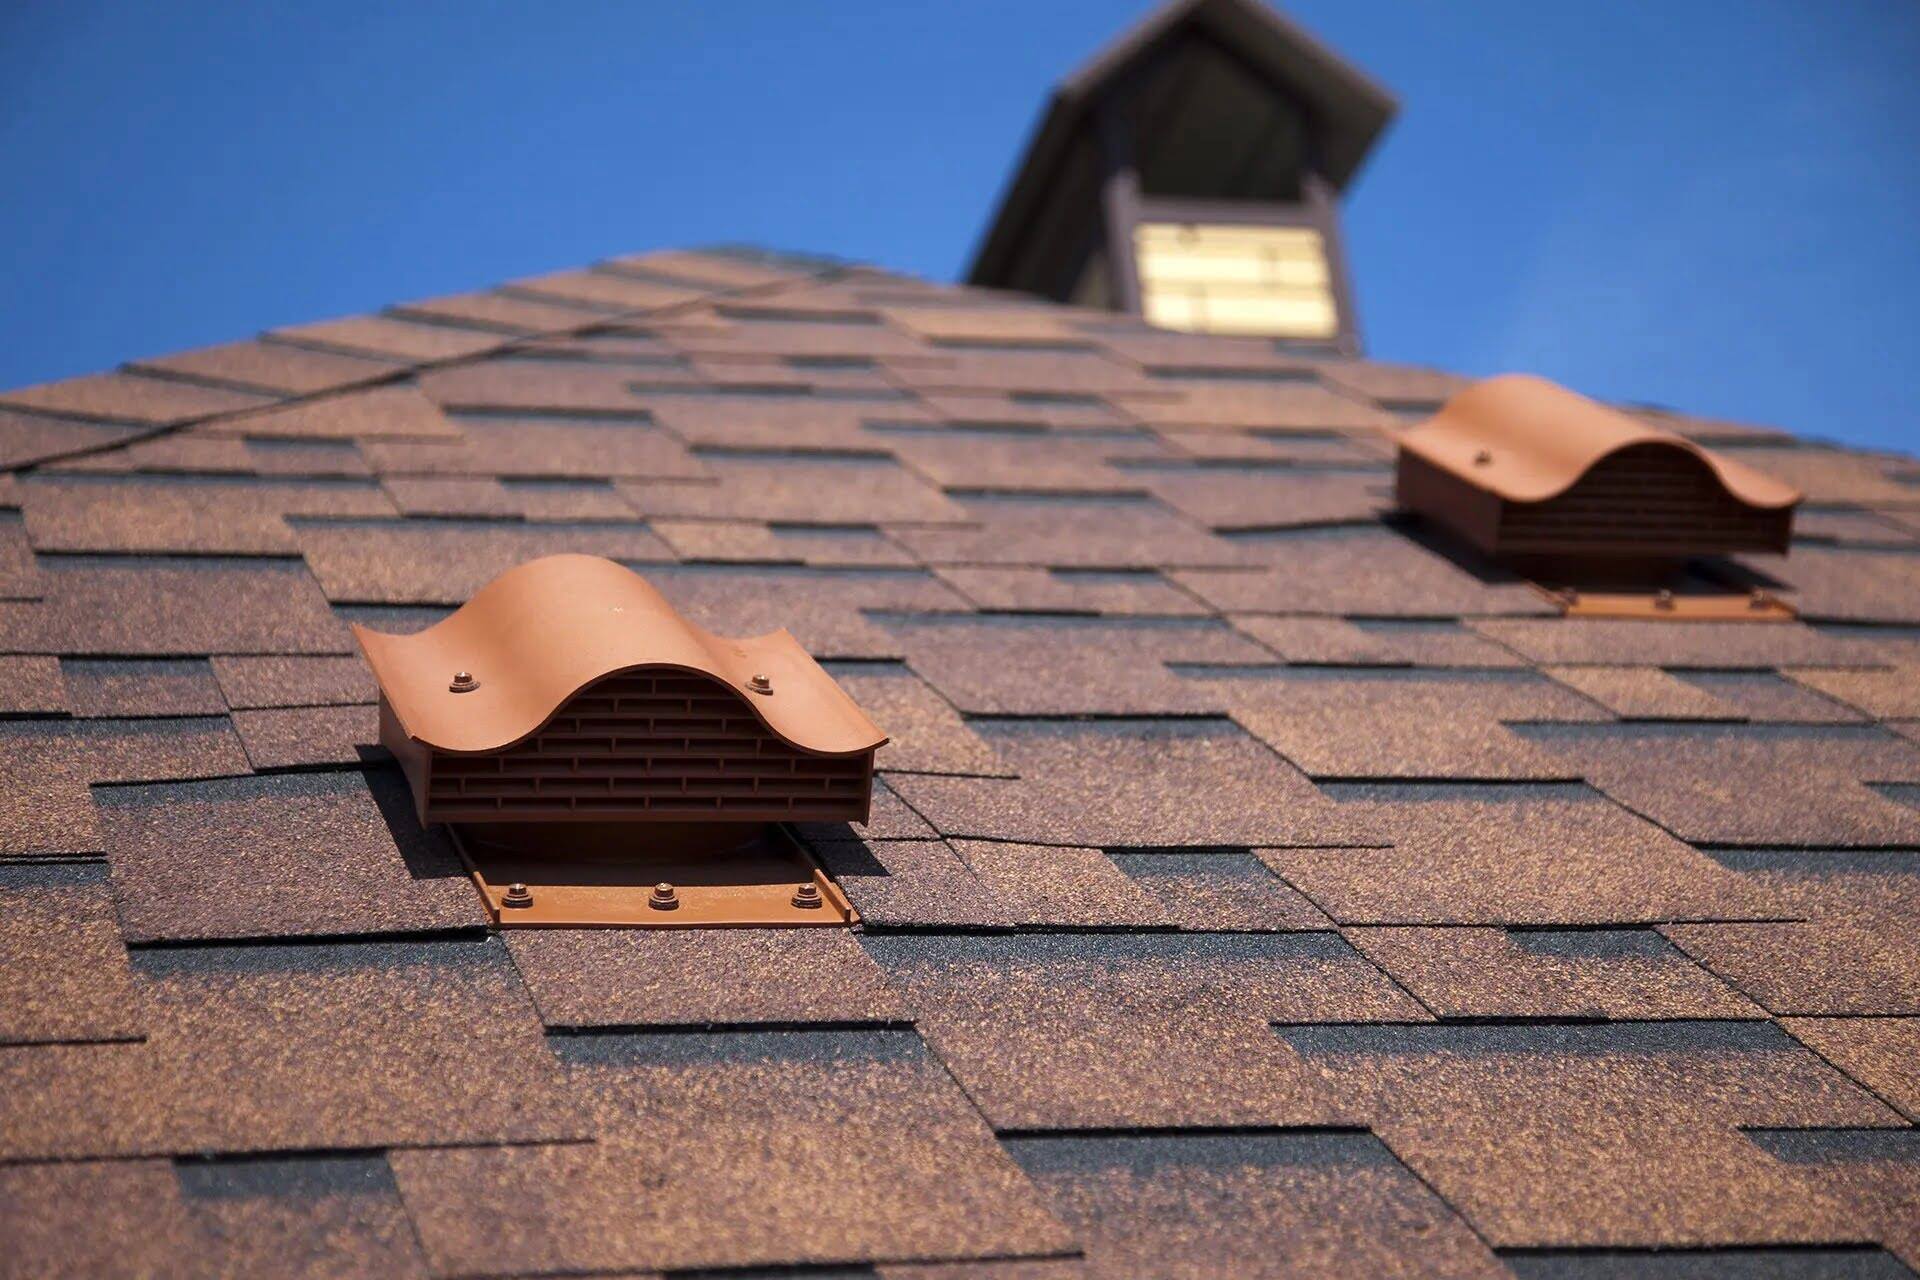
(807,895)
(1759,599)
(761,684)
(463,682)
(1482,457)
(517,895)
(1663,599)
(1570,596)
(663,898)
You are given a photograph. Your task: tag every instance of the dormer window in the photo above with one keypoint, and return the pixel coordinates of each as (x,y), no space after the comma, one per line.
(1610,514)
(601,760)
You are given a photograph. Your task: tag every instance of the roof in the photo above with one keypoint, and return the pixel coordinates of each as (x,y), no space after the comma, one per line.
(1253,883)
(1241,48)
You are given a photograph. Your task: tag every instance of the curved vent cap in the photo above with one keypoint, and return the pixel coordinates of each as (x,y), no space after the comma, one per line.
(1522,467)
(568,689)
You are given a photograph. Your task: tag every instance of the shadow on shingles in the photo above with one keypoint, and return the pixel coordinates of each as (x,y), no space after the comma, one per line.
(428,854)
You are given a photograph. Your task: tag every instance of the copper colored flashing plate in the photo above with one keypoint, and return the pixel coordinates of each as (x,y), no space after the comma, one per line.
(608,876)
(1720,606)
(1518,465)
(540,633)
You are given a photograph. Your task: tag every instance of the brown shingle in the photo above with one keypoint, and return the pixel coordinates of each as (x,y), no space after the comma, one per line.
(1138,783)
(928,735)
(76,1221)
(1220,890)
(302,855)
(68,974)
(1046,886)
(1068,532)
(601,290)
(782,1148)
(294,681)
(1366,643)
(910,884)
(532,447)
(824,608)
(446,561)
(131,397)
(308,737)
(1114,592)
(263,1048)
(1241,498)
(392,336)
(377,413)
(844,491)
(1718,645)
(185,516)
(1096,1031)
(1196,1206)
(1875,1175)
(32,685)
(312,1215)
(273,367)
(30,437)
(141,687)
(640,978)
(1878,1052)
(499,313)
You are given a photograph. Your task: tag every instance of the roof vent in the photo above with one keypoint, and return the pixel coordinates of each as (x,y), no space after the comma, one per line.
(1568,490)
(588,745)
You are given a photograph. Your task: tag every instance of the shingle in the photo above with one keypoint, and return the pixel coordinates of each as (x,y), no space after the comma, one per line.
(736,1150)
(1132,783)
(499,312)
(1011,462)
(1114,592)
(85,1220)
(1622,1134)
(1875,1175)
(1855,948)
(530,446)
(999,409)
(1233,404)
(1164,351)
(1197,1206)
(1373,642)
(272,681)
(1098,1031)
(1795,785)
(1276,448)
(20,576)
(308,737)
(1393,383)
(27,438)
(377,413)
(392,336)
(1516,855)
(1015,369)
(48,765)
(480,497)
(1832,584)
(1069,532)
(1047,886)
(1227,890)
(802,490)
(188,450)
(130,397)
(1877,1052)
(714,269)
(1367,572)
(1068,666)
(1371,723)
(641,978)
(1645,693)
(155,606)
(1718,645)
(825,609)
(1889,694)
(1765,697)
(309,1215)
(311,458)
(31,685)
(910,884)
(1242,497)
(272,367)
(300,855)
(1831,475)
(68,979)
(446,561)
(822,546)
(788,424)
(890,819)
(185,516)
(602,290)
(301,1048)
(564,498)
(928,735)
(522,385)
(1766,1262)
(141,687)
(1588,973)
(989,324)
(773,336)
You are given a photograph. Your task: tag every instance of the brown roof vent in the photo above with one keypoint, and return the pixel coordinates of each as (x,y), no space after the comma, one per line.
(1520,468)
(568,691)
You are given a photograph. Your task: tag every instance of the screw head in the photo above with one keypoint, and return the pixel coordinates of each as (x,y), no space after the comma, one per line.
(761,684)
(663,897)
(807,895)
(1759,599)
(1481,457)
(1663,599)
(463,682)
(1570,595)
(517,895)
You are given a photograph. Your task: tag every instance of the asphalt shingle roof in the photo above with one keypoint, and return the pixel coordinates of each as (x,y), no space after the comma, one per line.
(1256,885)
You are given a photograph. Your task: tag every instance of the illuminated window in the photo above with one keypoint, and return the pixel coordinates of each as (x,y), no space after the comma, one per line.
(1222,278)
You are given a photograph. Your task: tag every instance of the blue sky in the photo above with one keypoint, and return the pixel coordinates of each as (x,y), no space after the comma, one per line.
(1709,205)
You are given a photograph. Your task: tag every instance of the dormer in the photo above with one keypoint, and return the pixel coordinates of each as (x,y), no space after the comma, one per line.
(568,719)
(1190,174)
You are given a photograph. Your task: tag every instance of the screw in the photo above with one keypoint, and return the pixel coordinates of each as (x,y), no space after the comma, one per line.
(761,684)
(807,895)
(1759,599)
(1663,599)
(1570,595)
(663,898)
(1482,457)
(517,895)
(463,682)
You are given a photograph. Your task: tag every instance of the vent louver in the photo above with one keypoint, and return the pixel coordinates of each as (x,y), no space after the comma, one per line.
(1521,468)
(573,730)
